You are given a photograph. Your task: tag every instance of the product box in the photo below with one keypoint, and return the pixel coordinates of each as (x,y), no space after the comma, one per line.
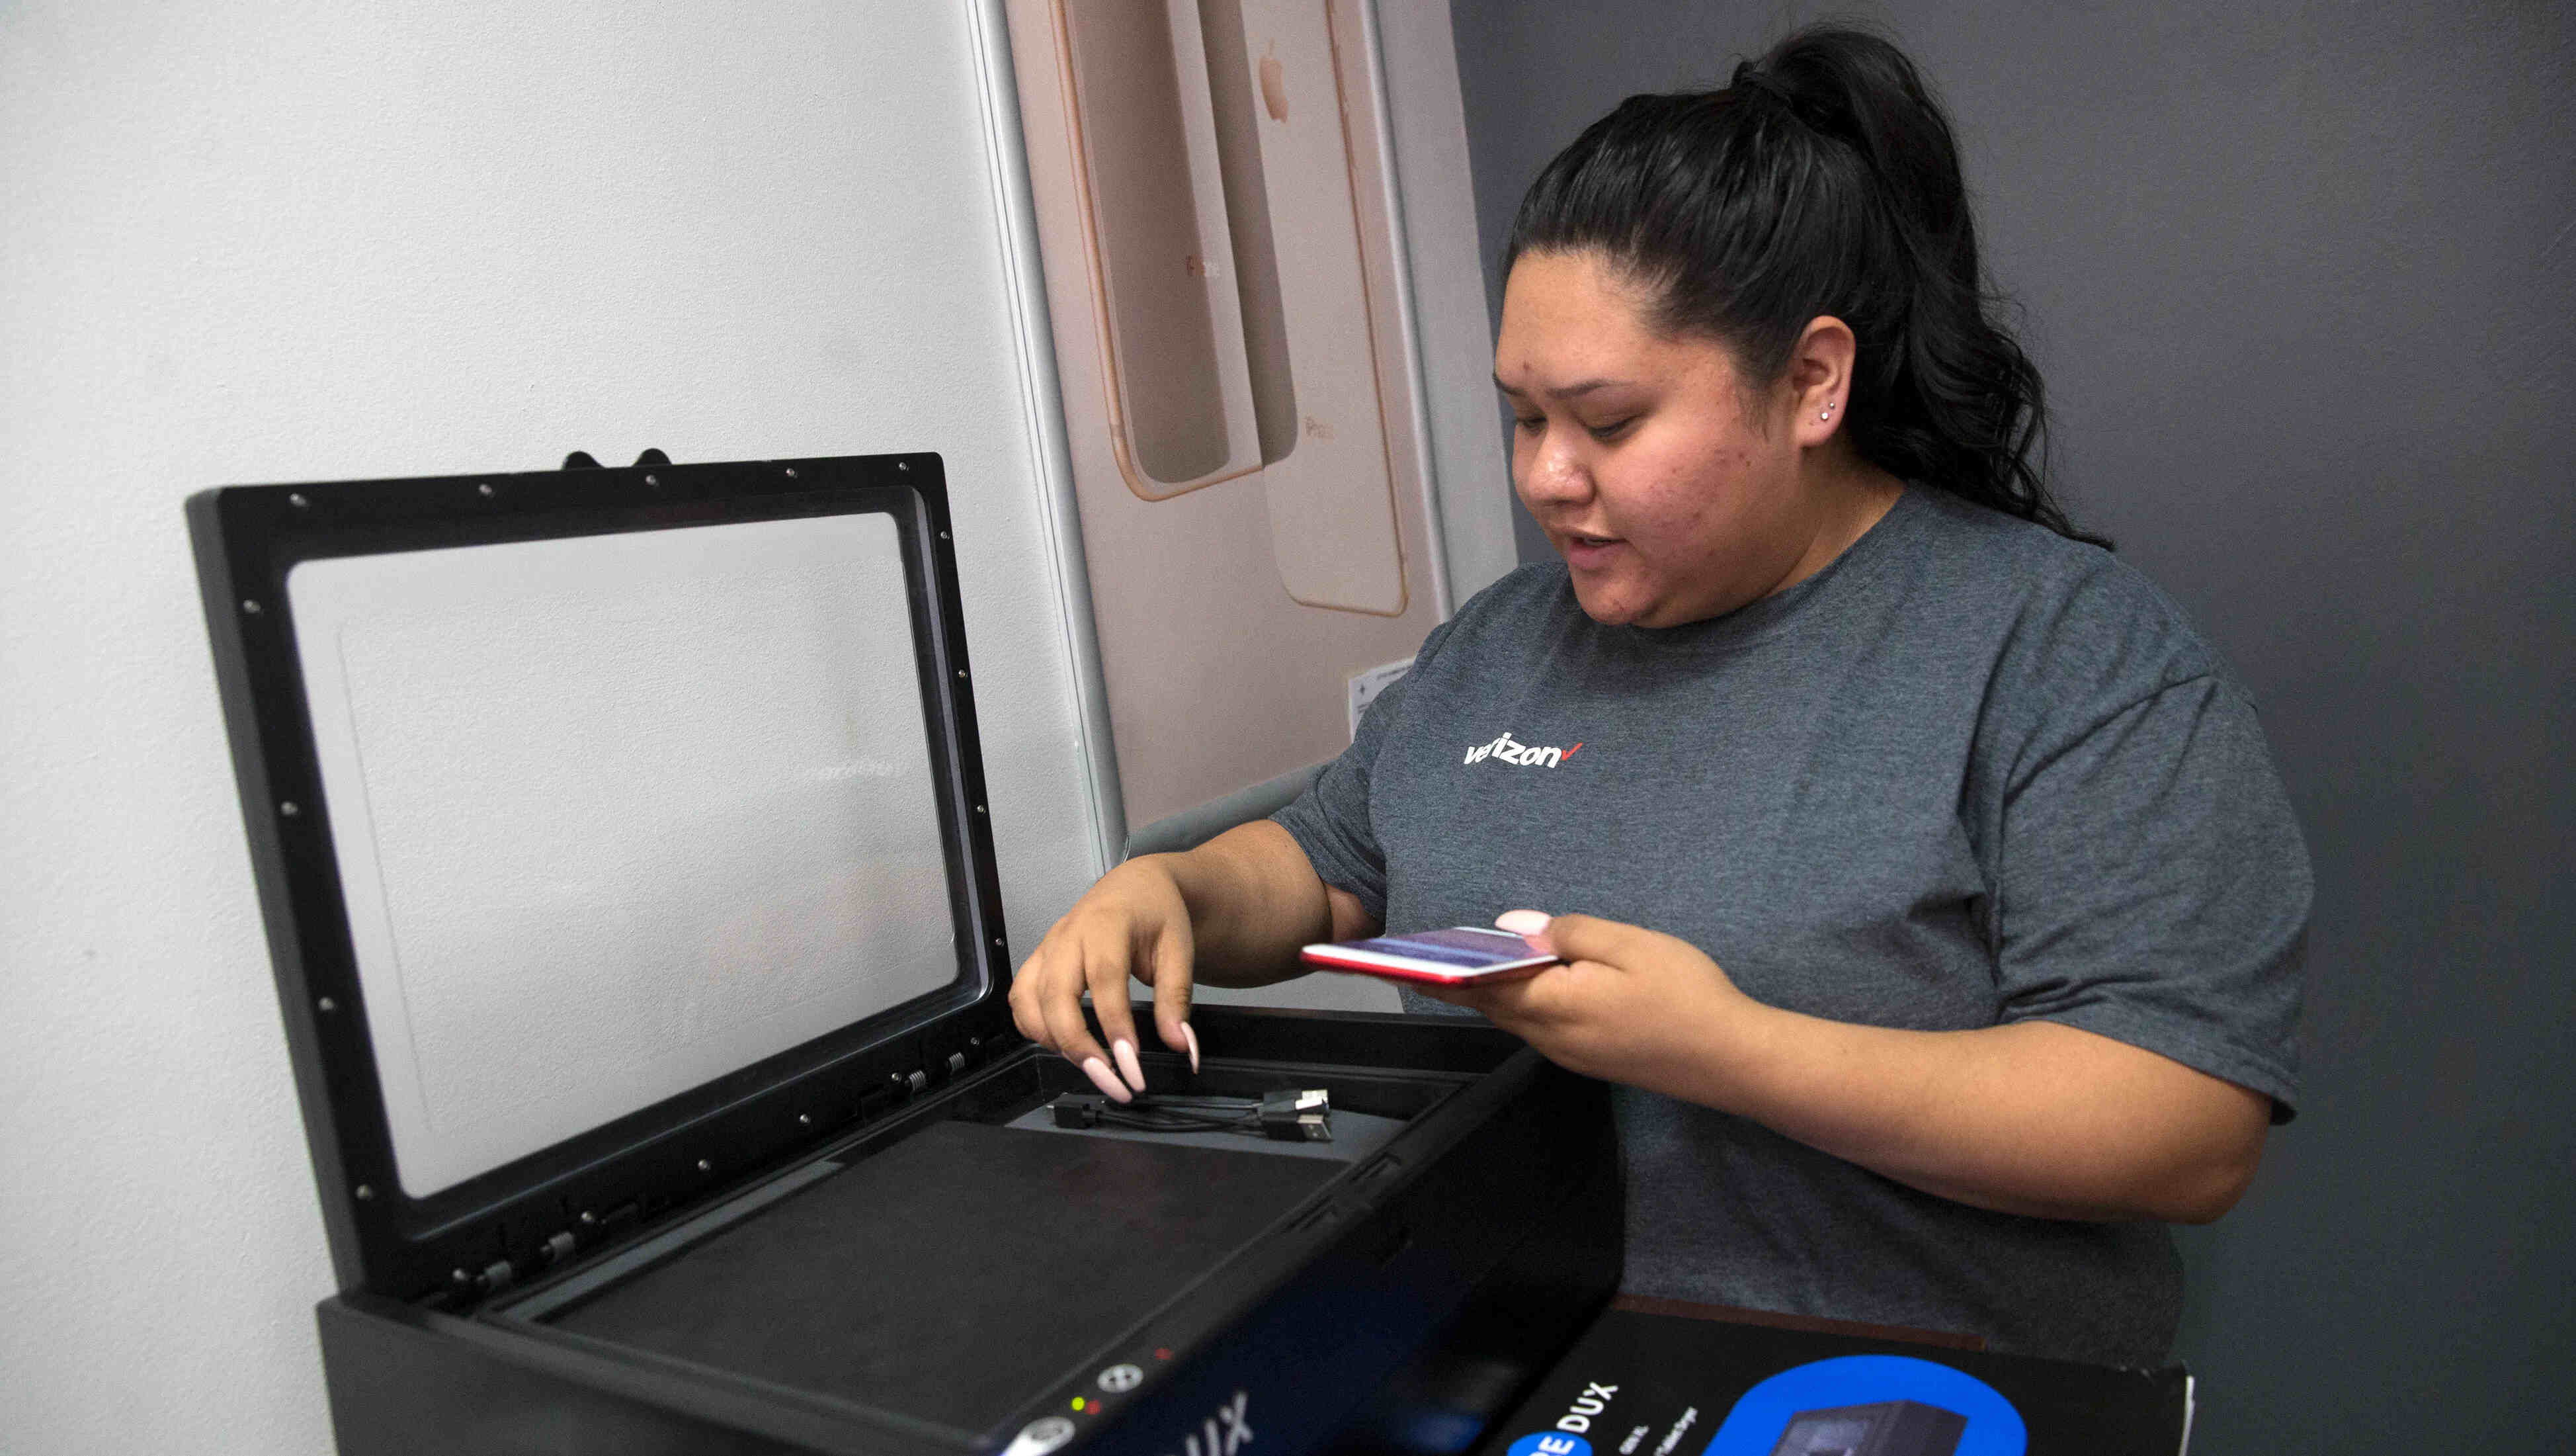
(1652,1384)
(622,841)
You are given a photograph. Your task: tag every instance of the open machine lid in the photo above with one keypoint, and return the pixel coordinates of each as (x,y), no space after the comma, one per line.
(617,832)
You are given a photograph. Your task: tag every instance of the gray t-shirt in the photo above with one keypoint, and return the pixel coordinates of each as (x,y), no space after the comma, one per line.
(1970,773)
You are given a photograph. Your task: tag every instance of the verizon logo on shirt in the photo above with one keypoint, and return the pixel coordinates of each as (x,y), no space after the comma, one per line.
(1524,754)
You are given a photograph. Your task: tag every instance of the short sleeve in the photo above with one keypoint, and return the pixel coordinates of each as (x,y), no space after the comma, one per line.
(2152,887)
(1331,821)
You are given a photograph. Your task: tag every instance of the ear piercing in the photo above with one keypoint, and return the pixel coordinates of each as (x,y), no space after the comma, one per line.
(1826,413)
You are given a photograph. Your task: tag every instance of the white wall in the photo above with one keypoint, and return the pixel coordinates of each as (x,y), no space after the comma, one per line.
(262,242)
(1445,278)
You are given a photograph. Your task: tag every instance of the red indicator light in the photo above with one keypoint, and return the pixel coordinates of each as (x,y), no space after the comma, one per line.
(1162,1354)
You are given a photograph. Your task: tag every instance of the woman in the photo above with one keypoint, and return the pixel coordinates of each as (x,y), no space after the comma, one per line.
(1929,890)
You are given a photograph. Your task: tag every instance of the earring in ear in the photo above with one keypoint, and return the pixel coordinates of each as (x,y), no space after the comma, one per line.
(1826,413)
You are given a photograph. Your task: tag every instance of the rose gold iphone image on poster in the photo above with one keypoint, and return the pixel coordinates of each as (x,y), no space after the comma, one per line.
(1463,955)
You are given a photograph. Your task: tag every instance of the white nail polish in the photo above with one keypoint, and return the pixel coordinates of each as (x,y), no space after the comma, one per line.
(1107,1081)
(1190,1034)
(1133,1070)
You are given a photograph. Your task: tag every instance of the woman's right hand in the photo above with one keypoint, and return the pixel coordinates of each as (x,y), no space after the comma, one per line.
(1134,922)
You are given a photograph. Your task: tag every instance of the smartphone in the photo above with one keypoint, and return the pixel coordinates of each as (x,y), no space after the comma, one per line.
(1463,955)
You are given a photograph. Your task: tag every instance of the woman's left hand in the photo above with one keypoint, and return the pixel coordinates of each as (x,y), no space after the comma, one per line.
(1629,1004)
(2031,1117)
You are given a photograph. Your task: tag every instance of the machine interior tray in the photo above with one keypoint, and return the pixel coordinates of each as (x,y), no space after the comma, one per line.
(947,1276)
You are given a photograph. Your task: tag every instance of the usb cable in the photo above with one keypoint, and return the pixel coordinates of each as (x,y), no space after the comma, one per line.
(1304,1115)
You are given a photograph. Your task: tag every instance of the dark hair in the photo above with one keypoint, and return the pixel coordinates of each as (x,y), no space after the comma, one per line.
(1823,180)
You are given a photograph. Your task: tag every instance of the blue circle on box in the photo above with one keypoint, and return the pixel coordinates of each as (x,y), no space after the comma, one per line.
(1758,1421)
(1553,1443)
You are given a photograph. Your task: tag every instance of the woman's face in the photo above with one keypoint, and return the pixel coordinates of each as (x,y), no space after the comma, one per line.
(1673,492)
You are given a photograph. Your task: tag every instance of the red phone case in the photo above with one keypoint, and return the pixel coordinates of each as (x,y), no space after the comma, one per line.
(1329,961)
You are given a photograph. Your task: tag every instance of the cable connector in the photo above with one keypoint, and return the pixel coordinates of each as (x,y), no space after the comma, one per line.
(1077,1110)
(1298,1117)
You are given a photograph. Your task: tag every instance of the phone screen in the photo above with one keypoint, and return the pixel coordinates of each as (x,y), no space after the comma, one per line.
(1465,947)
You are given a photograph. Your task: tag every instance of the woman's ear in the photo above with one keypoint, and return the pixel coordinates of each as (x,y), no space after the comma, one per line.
(1820,372)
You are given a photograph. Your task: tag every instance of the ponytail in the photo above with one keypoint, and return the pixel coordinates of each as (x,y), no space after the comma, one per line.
(1823,180)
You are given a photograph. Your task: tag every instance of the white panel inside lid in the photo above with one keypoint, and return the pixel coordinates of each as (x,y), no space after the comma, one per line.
(616,815)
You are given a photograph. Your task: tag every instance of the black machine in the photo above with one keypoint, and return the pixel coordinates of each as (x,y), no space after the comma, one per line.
(622,841)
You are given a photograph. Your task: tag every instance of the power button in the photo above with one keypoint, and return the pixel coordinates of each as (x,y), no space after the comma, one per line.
(1040,1436)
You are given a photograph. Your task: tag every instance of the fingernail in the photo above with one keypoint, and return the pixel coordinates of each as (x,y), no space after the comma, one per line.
(1527,924)
(1190,1035)
(1125,1051)
(1101,1077)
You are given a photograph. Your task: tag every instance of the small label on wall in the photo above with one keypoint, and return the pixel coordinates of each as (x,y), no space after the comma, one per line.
(1366,686)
